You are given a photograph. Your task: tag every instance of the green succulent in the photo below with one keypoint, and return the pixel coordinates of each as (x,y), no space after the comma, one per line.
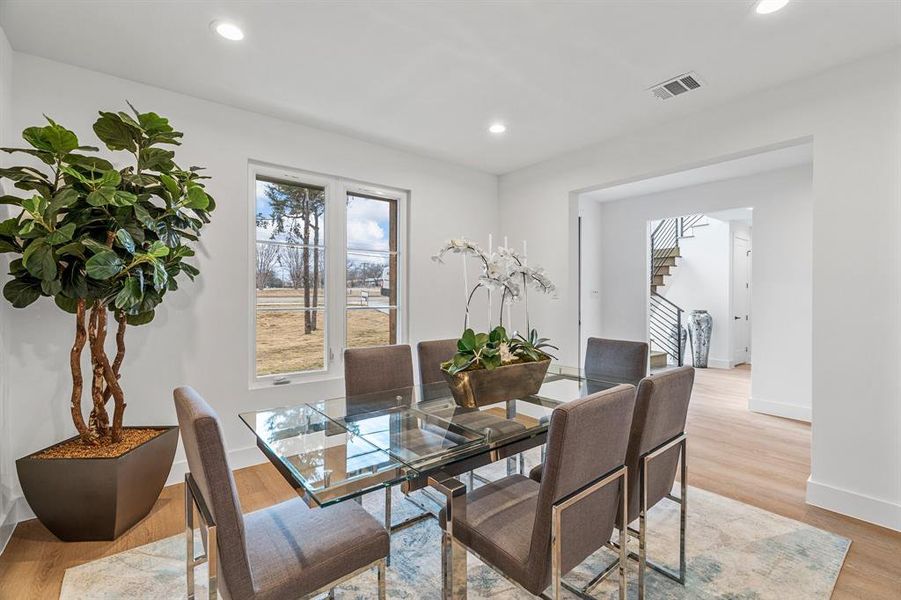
(532,348)
(477,350)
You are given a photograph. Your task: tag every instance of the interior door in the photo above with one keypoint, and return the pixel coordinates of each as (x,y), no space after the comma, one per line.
(741,299)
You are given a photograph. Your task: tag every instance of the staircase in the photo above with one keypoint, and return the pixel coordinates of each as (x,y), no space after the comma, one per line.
(665,323)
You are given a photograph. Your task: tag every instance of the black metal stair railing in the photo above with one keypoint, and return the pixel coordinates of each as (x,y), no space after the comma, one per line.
(665,322)
(665,327)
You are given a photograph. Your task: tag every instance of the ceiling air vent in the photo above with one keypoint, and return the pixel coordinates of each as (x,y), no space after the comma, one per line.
(676,86)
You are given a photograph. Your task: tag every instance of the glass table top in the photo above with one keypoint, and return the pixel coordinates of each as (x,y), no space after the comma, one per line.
(340,448)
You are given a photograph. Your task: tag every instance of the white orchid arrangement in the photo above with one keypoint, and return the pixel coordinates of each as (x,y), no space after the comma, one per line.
(506,271)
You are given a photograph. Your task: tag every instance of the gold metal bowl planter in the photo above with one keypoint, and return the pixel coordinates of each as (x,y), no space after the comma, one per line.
(481,387)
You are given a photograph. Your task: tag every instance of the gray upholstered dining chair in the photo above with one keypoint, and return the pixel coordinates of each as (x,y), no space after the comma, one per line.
(368,371)
(377,369)
(431,354)
(534,533)
(657,446)
(617,360)
(286,551)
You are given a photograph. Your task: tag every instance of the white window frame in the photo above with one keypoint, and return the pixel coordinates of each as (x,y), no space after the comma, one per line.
(335,244)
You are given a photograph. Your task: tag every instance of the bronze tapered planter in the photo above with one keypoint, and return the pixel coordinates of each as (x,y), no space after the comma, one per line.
(80,499)
(481,387)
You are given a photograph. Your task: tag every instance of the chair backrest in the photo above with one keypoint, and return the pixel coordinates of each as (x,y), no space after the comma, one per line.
(202,437)
(617,359)
(431,354)
(661,408)
(587,439)
(377,369)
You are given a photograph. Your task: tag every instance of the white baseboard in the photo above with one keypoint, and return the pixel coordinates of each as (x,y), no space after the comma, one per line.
(866,508)
(712,363)
(780,409)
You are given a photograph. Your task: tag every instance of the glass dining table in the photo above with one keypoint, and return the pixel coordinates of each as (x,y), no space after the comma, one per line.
(342,448)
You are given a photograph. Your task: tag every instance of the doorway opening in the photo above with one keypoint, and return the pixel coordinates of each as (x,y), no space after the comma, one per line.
(754,216)
(699,293)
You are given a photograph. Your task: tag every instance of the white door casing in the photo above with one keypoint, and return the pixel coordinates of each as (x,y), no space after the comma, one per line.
(741,299)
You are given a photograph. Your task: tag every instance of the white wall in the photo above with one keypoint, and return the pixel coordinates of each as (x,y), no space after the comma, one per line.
(201,335)
(701,280)
(853,115)
(7,471)
(781,275)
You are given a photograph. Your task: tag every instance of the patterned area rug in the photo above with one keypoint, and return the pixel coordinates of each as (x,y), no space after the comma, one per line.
(734,551)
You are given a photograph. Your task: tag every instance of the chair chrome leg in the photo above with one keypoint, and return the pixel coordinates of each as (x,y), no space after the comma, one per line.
(382,575)
(623,535)
(472,480)
(556,552)
(683,515)
(189,540)
(522,463)
(212,562)
(543,453)
(642,526)
(331,594)
(388,520)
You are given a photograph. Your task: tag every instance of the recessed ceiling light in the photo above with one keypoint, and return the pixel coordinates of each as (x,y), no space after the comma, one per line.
(765,7)
(497,128)
(229,31)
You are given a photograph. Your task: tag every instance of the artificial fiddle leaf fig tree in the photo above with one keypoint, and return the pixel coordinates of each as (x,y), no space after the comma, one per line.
(102,241)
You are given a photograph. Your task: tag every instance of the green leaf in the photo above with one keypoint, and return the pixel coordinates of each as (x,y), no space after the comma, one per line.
(125,240)
(9,227)
(61,140)
(73,249)
(116,133)
(102,196)
(110,178)
(61,235)
(93,245)
(155,159)
(44,156)
(7,246)
(123,198)
(130,294)
(158,249)
(38,259)
(171,185)
(26,228)
(21,293)
(74,174)
(160,276)
(197,198)
(64,198)
(467,341)
(70,305)
(140,318)
(36,205)
(51,287)
(143,215)
(91,163)
(104,265)
(13,200)
(498,335)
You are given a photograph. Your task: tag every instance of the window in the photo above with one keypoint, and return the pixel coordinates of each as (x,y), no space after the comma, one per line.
(328,272)
(371,309)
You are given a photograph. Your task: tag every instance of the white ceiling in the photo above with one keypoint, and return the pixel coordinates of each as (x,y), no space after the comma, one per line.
(744,166)
(430,77)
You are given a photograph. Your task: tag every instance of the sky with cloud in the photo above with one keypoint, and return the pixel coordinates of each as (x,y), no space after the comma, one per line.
(367,226)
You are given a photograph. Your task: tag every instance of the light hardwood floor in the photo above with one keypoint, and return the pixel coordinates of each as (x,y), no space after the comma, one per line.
(760,460)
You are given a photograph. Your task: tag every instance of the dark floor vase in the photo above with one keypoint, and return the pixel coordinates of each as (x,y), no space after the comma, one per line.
(81,499)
